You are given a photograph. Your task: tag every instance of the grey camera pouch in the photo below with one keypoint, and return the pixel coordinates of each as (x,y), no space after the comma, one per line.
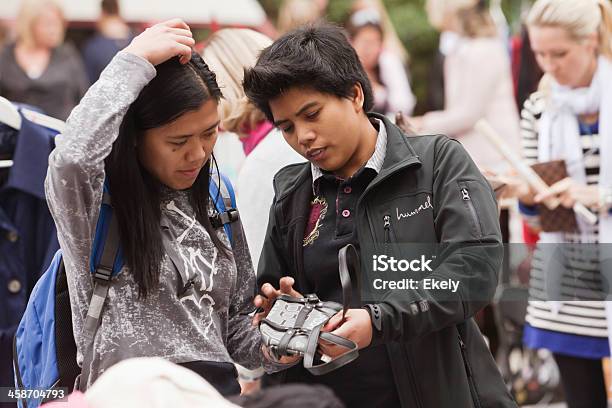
(293,325)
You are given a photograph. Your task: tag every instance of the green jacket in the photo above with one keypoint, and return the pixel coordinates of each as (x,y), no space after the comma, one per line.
(438,356)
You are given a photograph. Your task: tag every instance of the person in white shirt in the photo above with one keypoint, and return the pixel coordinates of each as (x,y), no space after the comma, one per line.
(228,53)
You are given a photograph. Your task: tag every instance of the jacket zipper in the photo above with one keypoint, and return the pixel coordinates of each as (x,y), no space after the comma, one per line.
(410,369)
(465,196)
(387,226)
(389,233)
(468,371)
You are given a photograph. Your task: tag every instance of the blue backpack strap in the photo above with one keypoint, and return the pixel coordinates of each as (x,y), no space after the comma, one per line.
(230,189)
(106,262)
(225,204)
(102,234)
(215,195)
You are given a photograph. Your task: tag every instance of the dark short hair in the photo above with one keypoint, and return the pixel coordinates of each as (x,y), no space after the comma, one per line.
(315,56)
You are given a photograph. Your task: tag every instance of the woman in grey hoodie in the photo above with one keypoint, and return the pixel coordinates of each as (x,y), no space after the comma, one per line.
(148,127)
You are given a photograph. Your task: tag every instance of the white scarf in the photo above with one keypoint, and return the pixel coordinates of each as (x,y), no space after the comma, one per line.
(559,135)
(559,138)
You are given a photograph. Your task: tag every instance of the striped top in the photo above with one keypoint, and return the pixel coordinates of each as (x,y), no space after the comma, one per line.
(582,311)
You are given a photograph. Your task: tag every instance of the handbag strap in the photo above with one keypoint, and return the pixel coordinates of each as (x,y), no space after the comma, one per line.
(299,321)
(348,268)
(320,369)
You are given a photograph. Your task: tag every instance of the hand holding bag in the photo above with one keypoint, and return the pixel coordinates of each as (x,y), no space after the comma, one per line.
(560,219)
(293,325)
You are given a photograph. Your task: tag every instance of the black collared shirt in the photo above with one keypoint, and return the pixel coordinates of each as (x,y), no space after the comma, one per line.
(368,381)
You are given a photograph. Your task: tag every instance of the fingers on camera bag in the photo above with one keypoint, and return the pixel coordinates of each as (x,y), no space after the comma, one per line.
(293,325)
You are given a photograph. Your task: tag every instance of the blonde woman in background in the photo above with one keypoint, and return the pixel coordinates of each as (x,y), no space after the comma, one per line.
(39,69)
(242,127)
(571,119)
(477,81)
(228,53)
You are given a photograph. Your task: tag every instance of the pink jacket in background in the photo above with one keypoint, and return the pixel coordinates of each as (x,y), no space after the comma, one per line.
(478,85)
(255,136)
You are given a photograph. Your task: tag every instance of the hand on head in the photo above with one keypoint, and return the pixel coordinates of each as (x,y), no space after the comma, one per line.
(163,41)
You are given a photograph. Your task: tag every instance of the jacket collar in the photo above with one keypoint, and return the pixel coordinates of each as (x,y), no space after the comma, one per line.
(399,152)
(399,155)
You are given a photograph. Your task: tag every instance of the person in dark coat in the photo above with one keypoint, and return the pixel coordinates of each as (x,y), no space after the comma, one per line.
(368,184)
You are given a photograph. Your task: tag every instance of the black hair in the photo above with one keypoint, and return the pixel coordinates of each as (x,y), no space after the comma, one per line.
(314,56)
(135,194)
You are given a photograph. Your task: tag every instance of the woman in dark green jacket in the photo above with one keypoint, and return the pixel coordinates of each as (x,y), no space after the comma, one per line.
(369,185)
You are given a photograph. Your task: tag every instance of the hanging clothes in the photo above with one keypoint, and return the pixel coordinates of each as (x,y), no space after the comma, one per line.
(27,232)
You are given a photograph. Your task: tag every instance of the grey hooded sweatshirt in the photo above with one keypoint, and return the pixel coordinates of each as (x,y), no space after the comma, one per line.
(207,323)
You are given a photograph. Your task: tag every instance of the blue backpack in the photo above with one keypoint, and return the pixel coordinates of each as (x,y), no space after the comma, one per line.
(44,349)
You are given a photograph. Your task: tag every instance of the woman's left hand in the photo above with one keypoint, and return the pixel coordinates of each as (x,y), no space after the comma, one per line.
(269,294)
(357,326)
(570,192)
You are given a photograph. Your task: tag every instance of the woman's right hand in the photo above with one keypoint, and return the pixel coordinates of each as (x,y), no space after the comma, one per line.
(163,41)
(525,193)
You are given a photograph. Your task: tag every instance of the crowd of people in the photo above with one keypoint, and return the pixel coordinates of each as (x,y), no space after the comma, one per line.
(130,146)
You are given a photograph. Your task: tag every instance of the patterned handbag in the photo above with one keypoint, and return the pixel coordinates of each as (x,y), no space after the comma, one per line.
(560,219)
(293,325)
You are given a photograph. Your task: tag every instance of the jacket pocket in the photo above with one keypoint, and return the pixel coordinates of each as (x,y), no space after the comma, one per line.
(466,197)
(468,372)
